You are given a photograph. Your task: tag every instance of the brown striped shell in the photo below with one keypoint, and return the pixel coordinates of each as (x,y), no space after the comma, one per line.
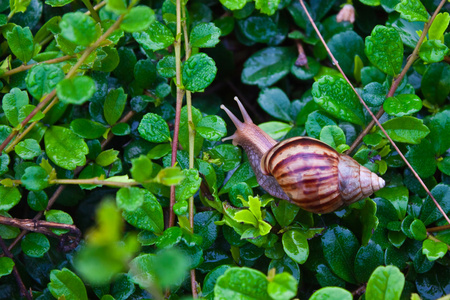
(316,177)
(303,170)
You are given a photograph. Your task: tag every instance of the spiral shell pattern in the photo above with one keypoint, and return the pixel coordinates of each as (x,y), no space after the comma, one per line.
(316,177)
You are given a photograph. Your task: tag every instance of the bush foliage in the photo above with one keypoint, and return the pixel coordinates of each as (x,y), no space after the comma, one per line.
(95,204)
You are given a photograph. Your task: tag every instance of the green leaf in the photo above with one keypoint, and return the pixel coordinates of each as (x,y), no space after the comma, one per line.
(20,41)
(315,122)
(170,176)
(204,35)
(37,200)
(429,212)
(148,216)
(189,186)
(114,105)
(129,199)
(406,129)
(436,83)
(402,105)
(275,102)
(276,130)
(439,126)
(398,196)
(12,103)
(156,37)
(282,286)
(9,197)
(440,24)
(241,283)
(374,94)
(35,244)
(385,283)
(28,149)
(367,259)
(212,128)
(154,129)
(434,250)
(421,158)
(66,284)
(233,4)
(418,230)
(65,148)
(337,98)
(76,90)
(43,78)
(246,217)
(346,46)
(443,165)
(205,227)
(333,136)
(284,212)
(6,266)
(19,5)
(412,10)
(384,48)
(117,6)
(78,28)
(107,157)
(166,66)
(268,8)
(58,216)
(142,168)
(138,18)
(229,155)
(308,71)
(57,3)
(340,247)
(35,178)
(296,246)
(198,72)
(331,293)
(87,128)
(267,66)
(432,51)
(145,73)
(243,174)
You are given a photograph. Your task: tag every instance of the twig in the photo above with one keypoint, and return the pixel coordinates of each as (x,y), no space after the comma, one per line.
(359,291)
(38,226)
(335,62)
(438,228)
(180,95)
(27,67)
(92,10)
(23,289)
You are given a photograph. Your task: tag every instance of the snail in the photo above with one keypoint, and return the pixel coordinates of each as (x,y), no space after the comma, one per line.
(303,170)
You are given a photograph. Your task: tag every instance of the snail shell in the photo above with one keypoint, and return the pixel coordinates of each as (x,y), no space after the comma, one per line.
(303,170)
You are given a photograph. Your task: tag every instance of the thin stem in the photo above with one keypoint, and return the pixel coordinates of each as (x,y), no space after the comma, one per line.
(38,226)
(23,289)
(28,129)
(180,95)
(91,9)
(27,67)
(438,228)
(335,62)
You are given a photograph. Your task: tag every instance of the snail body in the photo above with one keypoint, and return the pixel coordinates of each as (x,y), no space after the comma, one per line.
(303,170)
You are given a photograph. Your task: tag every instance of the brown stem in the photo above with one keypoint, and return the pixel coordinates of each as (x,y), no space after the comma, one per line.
(364,132)
(38,226)
(27,67)
(359,291)
(23,289)
(438,228)
(370,112)
(193,285)
(301,61)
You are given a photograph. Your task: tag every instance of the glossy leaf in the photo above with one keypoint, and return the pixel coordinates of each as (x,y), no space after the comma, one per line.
(6,266)
(283,286)
(412,10)
(199,72)
(402,105)
(204,35)
(154,129)
(434,250)
(35,178)
(241,283)
(212,128)
(433,51)
(148,216)
(385,283)
(331,293)
(12,103)
(35,244)
(114,105)
(43,78)
(75,90)
(64,283)
(9,197)
(78,28)
(296,246)
(337,98)
(137,19)
(20,41)
(65,148)
(436,83)
(275,102)
(384,49)
(406,129)
(156,37)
